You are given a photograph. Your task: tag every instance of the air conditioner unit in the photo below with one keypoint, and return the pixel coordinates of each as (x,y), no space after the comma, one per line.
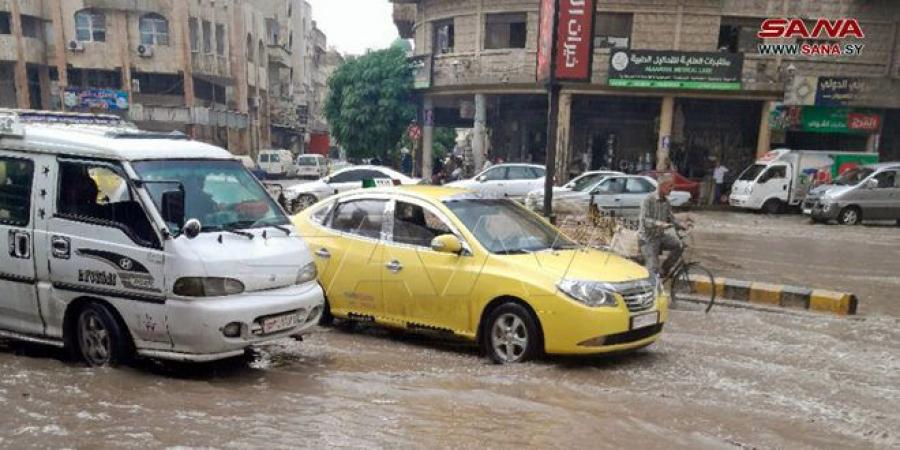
(75,46)
(145,51)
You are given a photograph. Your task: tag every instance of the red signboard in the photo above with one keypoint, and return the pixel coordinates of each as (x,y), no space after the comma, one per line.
(574,40)
(545,40)
(864,122)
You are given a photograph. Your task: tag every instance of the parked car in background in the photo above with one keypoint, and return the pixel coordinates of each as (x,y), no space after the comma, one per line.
(622,195)
(312,166)
(682,183)
(866,193)
(783,177)
(277,163)
(252,167)
(505,180)
(571,198)
(486,270)
(301,196)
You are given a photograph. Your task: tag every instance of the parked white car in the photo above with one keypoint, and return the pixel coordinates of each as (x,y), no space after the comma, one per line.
(571,198)
(277,163)
(622,195)
(312,166)
(301,196)
(505,180)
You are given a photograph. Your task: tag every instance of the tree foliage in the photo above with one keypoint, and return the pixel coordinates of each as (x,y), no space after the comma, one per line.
(369,105)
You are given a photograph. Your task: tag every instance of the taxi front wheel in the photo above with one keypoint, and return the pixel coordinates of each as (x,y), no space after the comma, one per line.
(511,334)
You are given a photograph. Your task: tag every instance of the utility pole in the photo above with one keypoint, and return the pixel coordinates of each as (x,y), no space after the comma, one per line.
(553,89)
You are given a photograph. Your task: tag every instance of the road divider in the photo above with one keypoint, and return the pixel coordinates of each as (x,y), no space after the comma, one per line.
(786,296)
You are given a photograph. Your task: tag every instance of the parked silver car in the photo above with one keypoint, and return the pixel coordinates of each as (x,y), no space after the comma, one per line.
(869,192)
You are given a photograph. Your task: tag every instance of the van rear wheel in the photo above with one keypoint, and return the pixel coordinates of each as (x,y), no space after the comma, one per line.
(100,338)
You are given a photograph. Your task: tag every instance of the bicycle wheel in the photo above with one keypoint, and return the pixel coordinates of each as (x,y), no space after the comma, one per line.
(695,282)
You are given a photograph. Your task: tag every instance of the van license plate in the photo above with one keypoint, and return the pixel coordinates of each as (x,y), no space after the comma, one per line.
(644,320)
(279,323)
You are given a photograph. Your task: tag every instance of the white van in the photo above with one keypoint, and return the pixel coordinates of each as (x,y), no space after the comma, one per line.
(122,241)
(312,166)
(783,177)
(277,163)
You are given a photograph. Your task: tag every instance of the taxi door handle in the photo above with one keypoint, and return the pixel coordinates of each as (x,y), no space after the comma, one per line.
(323,253)
(394,266)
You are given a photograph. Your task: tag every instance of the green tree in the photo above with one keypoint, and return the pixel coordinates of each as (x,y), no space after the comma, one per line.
(369,105)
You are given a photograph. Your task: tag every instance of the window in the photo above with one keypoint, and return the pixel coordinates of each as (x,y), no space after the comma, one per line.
(272,31)
(417,226)
(321,213)
(154,30)
(774,173)
(360,217)
(357,176)
(207,37)
(32,27)
(444,36)
(503,227)
(494,174)
(103,197)
(5,23)
(638,186)
(15,191)
(887,180)
(612,186)
(249,48)
(194,26)
(612,30)
(737,35)
(262,53)
(505,31)
(751,172)
(220,39)
(90,26)
(521,173)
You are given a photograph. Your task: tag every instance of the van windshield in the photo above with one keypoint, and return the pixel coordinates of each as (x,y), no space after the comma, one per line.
(222,195)
(853,177)
(752,172)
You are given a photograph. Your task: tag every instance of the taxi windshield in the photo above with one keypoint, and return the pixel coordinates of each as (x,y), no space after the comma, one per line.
(503,227)
(222,195)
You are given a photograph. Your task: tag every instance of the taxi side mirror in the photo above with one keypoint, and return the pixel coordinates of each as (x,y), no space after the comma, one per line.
(447,243)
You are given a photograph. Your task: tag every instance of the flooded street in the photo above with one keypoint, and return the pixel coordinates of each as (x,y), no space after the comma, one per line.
(731,379)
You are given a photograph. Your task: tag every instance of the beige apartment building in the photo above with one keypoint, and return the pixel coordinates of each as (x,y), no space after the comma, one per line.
(477,62)
(235,73)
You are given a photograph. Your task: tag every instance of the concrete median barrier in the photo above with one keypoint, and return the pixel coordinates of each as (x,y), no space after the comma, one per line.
(785,296)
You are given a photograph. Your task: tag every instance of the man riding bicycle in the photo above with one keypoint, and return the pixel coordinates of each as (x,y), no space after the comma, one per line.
(655,219)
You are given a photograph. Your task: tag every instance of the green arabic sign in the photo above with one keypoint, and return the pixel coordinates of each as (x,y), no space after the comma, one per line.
(676,70)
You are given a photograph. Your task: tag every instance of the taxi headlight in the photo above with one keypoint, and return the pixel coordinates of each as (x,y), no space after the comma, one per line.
(307,273)
(207,287)
(589,293)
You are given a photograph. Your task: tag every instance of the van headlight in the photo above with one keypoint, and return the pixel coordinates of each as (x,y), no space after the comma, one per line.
(307,273)
(207,287)
(590,293)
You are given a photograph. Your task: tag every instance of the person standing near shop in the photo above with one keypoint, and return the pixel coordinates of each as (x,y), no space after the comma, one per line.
(719,177)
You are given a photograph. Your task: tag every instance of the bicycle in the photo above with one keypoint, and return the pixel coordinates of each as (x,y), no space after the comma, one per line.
(690,278)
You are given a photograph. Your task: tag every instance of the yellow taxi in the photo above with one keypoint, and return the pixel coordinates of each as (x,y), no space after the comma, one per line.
(450,262)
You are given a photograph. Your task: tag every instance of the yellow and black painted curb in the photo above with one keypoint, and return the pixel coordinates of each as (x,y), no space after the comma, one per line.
(766,294)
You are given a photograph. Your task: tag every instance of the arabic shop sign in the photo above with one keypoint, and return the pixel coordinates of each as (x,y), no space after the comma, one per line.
(573,38)
(838,91)
(821,119)
(96,99)
(675,70)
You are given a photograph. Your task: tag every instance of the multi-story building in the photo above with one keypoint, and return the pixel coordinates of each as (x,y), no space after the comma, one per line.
(226,72)
(478,62)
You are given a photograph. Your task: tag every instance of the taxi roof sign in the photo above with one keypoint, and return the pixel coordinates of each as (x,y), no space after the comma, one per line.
(379,182)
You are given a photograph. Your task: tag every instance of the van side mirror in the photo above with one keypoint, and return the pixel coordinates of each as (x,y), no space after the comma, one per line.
(871,183)
(447,243)
(172,208)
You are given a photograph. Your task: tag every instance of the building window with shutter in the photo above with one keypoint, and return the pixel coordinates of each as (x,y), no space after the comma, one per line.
(90,26)
(154,30)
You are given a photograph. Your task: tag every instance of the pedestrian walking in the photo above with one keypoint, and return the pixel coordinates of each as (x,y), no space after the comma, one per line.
(719,177)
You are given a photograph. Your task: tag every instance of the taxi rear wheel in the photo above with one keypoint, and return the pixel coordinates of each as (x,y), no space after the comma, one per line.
(511,335)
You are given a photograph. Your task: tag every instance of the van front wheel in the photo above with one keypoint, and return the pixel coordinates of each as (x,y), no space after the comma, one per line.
(772,206)
(101,340)
(850,216)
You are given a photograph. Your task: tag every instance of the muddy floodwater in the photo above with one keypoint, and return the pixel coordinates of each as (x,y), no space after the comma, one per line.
(731,379)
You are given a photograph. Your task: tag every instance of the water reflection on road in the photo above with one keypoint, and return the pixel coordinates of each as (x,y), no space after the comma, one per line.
(730,379)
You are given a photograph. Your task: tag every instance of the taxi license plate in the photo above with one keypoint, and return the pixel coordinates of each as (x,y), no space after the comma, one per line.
(279,323)
(644,320)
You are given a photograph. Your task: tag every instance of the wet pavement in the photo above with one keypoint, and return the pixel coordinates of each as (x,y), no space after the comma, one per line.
(789,249)
(731,379)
